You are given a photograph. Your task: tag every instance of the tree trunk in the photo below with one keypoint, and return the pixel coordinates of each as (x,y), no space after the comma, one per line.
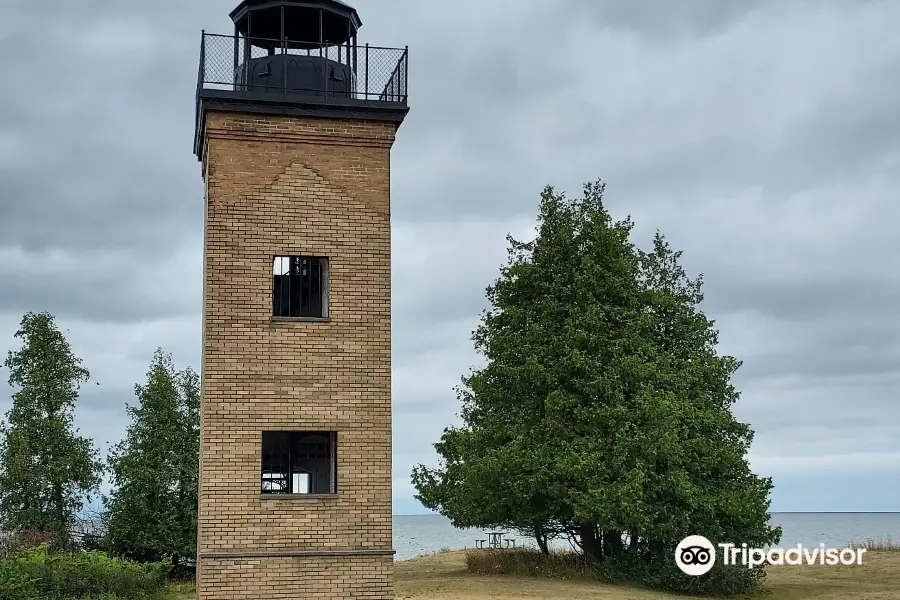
(59,515)
(590,544)
(633,542)
(612,543)
(656,550)
(541,539)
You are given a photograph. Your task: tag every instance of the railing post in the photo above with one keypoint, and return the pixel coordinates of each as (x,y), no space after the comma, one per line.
(201,76)
(201,72)
(324,50)
(284,71)
(248,53)
(237,57)
(405,74)
(367,72)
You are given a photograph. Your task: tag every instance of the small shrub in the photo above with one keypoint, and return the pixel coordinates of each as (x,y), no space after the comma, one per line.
(15,584)
(722,580)
(880,545)
(41,573)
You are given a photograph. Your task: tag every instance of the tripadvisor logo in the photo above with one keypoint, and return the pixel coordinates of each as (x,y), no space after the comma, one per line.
(695,555)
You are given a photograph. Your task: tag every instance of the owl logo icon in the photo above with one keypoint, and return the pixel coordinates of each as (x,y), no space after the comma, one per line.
(695,555)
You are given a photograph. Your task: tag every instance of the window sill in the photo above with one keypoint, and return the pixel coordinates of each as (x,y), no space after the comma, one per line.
(298,496)
(301,319)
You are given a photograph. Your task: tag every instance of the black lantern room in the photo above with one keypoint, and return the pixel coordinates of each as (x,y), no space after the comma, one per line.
(302,47)
(299,57)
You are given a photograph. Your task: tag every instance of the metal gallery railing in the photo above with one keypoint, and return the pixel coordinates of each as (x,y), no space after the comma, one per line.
(327,72)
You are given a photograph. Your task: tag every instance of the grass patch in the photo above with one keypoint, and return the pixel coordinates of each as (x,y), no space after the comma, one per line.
(728,581)
(446,576)
(531,563)
(181,591)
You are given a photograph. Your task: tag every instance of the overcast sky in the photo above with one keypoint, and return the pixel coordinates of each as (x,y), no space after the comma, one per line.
(763,138)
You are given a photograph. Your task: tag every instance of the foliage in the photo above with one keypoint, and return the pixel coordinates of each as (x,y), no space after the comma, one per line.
(603,412)
(46,468)
(528,562)
(151,513)
(24,539)
(38,573)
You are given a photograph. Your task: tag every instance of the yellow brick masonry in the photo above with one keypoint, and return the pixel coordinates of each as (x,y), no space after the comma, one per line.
(284,185)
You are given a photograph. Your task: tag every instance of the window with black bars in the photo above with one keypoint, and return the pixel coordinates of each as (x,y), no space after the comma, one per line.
(300,286)
(299,462)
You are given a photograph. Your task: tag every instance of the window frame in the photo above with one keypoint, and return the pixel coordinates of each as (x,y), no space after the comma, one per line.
(294,438)
(324,287)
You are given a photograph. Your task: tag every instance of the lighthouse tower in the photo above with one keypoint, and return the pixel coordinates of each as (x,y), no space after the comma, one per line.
(295,122)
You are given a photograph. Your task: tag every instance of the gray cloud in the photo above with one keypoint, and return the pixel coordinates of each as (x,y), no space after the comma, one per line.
(655,19)
(761,137)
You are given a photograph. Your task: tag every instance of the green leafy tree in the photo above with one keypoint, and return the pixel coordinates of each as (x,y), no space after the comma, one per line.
(188,383)
(47,470)
(603,411)
(151,513)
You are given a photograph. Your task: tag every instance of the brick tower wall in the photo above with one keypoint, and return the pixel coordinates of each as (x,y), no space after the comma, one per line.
(286,185)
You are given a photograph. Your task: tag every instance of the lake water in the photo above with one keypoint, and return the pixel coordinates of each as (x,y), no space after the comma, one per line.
(415,535)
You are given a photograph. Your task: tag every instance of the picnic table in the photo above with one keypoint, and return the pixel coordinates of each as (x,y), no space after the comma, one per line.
(495,540)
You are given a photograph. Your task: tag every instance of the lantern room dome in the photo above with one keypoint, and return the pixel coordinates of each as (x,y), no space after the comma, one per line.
(297,24)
